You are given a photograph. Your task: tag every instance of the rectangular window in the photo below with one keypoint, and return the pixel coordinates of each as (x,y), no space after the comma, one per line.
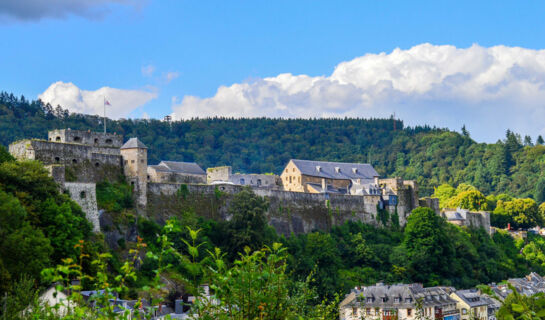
(409,312)
(141,160)
(132,161)
(368,311)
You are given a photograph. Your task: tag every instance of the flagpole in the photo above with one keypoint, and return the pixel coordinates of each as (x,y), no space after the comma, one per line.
(104,105)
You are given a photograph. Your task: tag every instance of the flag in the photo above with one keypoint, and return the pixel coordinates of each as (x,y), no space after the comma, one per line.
(107,103)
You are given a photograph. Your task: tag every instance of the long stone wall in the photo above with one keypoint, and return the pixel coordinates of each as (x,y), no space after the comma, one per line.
(288,211)
(84,194)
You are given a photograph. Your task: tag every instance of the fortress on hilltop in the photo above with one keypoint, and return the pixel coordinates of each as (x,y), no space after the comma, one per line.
(308,195)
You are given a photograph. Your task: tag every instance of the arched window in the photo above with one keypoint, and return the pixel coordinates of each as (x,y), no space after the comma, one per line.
(74,161)
(242,181)
(108,141)
(82,195)
(57,159)
(258,182)
(58,138)
(96,140)
(77,139)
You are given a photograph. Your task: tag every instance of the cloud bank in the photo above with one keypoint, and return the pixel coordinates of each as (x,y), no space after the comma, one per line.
(70,97)
(58,9)
(488,89)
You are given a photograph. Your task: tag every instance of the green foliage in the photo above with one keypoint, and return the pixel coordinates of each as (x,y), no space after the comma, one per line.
(470,199)
(114,197)
(39,226)
(521,213)
(248,225)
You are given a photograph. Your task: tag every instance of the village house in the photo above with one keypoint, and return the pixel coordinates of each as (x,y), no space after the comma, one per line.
(224,175)
(471,304)
(399,301)
(176,172)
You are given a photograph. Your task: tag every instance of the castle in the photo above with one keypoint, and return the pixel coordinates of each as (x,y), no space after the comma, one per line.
(308,195)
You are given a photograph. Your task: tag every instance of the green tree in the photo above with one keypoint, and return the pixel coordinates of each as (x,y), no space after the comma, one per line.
(24,250)
(540,140)
(427,248)
(471,200)
(523,212)
(444,192)
(248,225)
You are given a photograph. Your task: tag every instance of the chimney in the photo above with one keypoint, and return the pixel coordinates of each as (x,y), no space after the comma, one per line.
(324,185)
(376,181)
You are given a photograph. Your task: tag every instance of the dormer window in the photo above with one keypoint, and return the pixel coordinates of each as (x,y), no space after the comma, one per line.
(337,170)
(354,170)
(369,299)
(396,300)
(318,168)
(384,299)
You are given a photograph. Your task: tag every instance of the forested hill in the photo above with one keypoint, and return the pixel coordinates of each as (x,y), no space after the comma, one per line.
(430,155)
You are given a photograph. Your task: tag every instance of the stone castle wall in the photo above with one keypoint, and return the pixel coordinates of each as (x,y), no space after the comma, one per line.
(97,139)
(84,194)
(288,211)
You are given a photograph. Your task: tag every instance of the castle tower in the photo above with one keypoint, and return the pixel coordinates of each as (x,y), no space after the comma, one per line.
(135,166)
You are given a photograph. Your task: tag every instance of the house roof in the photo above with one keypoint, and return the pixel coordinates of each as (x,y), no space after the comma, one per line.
(179,167)
(335,170)
(134,143)
(471,297)
(454,216)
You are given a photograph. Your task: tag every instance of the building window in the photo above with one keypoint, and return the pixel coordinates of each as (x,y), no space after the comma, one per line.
(108,141)
(354,311)
(242,181)
(409,312)
(97,164)
(290,179)
(132,161)
(396,299)
(368,311)
(96,140)
(464,311)
(258,182)
(141,160)
(384,299)
(126,161)
(74,161)
(57,159)
(82,195)
(58,139)
(77,139)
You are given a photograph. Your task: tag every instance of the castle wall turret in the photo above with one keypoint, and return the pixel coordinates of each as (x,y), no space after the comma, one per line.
(135,164)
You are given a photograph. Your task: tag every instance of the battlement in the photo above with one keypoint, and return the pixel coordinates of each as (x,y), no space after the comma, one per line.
(96,139)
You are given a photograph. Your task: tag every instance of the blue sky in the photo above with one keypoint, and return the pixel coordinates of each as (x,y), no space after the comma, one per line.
(155,53)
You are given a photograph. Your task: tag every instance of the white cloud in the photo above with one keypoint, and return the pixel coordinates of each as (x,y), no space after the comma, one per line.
(488,89)
(169,76)
(70,97)
(147,71)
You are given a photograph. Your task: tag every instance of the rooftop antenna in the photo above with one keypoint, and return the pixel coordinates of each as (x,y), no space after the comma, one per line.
(394,119)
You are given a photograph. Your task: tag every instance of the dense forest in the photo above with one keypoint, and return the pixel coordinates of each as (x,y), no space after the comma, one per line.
(432,156)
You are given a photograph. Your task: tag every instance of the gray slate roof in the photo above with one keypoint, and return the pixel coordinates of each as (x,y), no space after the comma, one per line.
(453,216)
(471,297)
(347,171)
(179,167)
(134,143)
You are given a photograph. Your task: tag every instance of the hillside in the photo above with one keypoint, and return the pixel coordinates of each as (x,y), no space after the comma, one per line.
(429,155)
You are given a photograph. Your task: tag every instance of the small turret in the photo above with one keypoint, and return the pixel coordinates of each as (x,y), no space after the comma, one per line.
(135,165)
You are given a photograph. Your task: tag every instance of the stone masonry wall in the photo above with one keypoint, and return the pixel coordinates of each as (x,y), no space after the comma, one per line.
(84,194)
(288,211)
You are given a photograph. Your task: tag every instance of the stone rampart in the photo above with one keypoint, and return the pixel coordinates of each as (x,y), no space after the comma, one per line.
(288,211)
(84,194)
